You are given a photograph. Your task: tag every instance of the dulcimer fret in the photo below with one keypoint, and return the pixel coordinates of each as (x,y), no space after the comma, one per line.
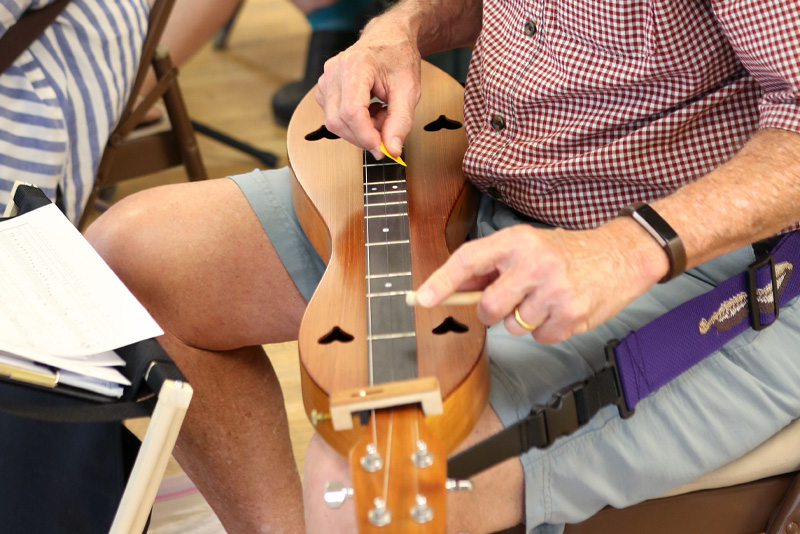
(392,344)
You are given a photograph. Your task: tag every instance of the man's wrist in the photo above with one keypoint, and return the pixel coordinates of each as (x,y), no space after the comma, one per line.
(663,234)
(639,250)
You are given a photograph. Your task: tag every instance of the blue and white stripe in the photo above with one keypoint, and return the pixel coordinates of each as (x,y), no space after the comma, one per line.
(63,96)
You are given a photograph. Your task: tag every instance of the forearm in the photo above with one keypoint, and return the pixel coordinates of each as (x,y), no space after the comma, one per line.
(753,196)
(437,25)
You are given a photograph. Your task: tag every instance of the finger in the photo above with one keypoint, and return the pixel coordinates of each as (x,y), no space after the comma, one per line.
(530,313)
(378,114)
(328,97)
(332,85)
(400,115)
(470,261)
(502,296)
(354,113)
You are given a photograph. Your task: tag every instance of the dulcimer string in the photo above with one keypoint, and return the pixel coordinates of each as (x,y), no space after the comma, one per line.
(384,237)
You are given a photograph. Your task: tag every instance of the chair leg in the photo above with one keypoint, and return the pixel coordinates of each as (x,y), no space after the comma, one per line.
(181,125)
(267,158)
(788,513)
(100,180)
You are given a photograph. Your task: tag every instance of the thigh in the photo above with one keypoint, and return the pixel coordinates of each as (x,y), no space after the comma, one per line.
(197,256)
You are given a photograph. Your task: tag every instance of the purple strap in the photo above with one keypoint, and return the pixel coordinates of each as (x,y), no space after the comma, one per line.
(653,355)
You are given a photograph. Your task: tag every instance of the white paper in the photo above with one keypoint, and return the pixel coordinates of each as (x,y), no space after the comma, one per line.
(102,387)
(58,299)
(107,374)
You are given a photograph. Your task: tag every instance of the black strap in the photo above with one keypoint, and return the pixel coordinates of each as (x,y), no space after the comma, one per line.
(26,30)
(567,410)
(87,413)
(139,399)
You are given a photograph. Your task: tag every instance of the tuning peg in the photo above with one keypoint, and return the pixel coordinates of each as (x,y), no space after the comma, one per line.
(372,461)
(379,516)
(422,457)
(421,512)
(336,493)
(318,417)
(458,485)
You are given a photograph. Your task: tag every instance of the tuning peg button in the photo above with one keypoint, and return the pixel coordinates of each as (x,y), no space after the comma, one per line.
(422,457)
(421,512)
(336,493)
(379,516)
(372,461)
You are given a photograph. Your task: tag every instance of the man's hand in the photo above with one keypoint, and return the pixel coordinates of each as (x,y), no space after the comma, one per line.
(564,282)
(384,63)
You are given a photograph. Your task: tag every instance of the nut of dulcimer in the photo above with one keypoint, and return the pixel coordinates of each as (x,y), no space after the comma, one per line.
(336,493)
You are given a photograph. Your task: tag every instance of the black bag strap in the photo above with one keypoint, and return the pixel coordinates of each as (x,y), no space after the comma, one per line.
(148,367)
(26,30)
(83,413)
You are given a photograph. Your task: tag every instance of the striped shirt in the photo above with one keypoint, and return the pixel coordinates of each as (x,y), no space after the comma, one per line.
(63,96)
(576,108)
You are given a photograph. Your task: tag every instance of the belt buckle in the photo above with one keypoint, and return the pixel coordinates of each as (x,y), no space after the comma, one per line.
(752,292)
(611,363)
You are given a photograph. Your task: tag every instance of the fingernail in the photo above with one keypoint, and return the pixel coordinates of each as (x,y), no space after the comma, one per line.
(425,297)
(377,154)
(395,146)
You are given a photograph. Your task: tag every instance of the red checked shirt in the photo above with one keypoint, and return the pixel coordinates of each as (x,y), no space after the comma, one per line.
(576,108)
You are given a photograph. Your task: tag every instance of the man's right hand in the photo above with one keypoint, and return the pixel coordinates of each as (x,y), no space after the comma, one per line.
(384,63)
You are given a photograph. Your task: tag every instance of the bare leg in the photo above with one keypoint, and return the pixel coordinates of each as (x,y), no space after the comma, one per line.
(496,503)
(191,24)
(198,259)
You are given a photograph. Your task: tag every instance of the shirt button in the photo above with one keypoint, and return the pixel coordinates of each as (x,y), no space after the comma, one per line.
(530,28)
(494,193)
(498,122)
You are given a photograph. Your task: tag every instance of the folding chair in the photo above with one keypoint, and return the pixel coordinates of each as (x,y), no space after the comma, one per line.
(129,152)
(759,492)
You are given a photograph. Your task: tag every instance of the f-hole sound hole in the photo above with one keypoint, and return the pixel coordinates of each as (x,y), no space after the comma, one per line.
(322,133)
(337,334)
(442,123)
(450,325)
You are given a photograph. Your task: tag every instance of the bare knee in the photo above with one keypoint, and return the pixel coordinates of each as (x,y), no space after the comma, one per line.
(197,257)
(124,235)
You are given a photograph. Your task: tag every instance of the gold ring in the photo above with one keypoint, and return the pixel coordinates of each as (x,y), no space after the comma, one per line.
(523,324)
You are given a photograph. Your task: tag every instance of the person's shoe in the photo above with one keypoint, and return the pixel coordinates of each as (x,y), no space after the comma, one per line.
(323,45)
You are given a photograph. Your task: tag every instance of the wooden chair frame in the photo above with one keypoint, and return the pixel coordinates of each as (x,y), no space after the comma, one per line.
(122,158)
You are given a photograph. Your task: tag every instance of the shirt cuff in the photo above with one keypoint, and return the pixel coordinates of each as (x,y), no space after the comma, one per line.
(785,116)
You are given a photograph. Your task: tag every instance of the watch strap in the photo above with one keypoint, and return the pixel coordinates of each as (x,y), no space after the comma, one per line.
(663,233)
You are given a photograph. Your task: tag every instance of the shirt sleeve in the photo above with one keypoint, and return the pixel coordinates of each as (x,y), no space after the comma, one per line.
(12,10)
(765,35)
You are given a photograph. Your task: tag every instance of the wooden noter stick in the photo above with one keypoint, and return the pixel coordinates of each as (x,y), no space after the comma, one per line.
(456,299)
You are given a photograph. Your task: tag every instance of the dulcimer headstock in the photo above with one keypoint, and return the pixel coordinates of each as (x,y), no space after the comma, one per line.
(399,472)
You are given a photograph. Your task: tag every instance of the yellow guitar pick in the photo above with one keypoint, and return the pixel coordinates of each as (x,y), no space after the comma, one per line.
(398,159)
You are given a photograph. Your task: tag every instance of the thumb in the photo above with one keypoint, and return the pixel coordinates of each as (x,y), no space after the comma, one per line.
(398,122)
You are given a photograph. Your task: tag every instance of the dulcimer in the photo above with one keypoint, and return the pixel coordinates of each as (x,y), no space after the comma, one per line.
(393,388)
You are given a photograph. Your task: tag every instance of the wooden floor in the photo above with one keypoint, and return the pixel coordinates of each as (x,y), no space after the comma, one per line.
(231,90)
